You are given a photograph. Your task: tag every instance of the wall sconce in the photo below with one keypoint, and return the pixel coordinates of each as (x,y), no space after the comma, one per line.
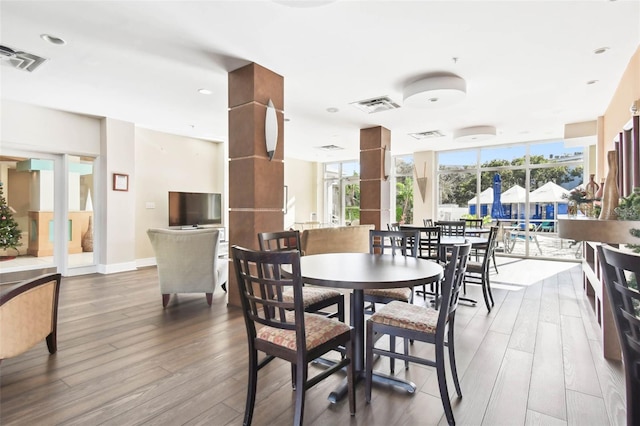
(271,129)
(421,181)
(386,164)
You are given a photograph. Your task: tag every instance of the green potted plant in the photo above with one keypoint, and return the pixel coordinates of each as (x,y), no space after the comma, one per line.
(629,209)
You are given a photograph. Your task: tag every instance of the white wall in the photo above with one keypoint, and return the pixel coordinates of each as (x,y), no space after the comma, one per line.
(166,163)
(300,178)
(33,128)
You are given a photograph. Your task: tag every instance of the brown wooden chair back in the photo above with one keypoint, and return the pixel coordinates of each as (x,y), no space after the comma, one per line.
(403,242)
(452,228)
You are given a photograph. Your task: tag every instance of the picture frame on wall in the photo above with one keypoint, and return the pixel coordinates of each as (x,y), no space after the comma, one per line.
(120,182)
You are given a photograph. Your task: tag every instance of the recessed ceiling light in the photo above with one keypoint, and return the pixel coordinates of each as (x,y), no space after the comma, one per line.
(590,82)
(332,110)
(205,91)
(53,39)
(600,50)
(435,91)
(474,133)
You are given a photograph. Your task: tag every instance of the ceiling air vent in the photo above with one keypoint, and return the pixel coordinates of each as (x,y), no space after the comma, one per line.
(429,134)
(382,103)
(20,60)
(330,148)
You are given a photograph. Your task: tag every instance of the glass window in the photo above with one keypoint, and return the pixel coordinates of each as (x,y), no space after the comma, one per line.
(503,156)
(457,160)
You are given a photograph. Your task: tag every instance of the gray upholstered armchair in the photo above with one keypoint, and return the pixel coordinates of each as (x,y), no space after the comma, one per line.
(188,261)
(29,314)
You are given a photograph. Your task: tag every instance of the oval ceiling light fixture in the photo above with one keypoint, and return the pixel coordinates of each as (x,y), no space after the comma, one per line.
(435,91)
(474,134)
(53,39)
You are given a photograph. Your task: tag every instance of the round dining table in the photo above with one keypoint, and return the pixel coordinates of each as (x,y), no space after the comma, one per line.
(359,272)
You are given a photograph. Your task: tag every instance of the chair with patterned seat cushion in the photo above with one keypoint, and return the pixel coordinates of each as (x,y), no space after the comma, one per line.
(286,330)
(428,248)
(402,243)
(478,271)
(621,271)
(315,299)
(422,324)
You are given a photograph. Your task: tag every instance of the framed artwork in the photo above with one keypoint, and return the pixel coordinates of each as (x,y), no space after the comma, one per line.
(120,182)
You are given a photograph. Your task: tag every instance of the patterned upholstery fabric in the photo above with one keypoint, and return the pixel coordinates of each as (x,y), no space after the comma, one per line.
(401,294)
(474,267)
(412,317)
(310,295)
(318,330)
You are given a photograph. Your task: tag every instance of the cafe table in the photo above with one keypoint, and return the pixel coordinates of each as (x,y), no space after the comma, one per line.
(359,272)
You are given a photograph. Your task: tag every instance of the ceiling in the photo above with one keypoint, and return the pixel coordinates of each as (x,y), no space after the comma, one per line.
(526,64)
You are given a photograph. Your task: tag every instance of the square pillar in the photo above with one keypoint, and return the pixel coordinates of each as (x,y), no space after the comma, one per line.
(256,184)
(375,187)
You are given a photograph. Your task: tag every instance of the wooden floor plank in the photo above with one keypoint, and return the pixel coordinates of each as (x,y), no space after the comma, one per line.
(508,403)
(585,410)
(579,369)
(547,390)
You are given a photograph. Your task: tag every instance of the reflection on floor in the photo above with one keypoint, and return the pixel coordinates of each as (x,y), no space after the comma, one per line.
(32,262)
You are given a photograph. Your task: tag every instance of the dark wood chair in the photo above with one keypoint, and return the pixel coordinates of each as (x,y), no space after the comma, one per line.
(29,314)
(285,330)
(478,271)
(452,228)
(427,222)
(423,324)
(621,271)
(428,248)
(395,226)
(474,223)
(401,243)
(315,299)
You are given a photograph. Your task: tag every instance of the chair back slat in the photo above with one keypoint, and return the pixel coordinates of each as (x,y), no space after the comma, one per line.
(452,228)
(427,222)
(262,286)
(394,242)
(395,226)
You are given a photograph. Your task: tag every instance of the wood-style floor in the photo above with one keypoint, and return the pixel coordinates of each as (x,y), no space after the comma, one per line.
(123,360)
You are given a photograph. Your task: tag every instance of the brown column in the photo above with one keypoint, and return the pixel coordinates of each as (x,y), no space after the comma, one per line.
(375,190)
(256,185)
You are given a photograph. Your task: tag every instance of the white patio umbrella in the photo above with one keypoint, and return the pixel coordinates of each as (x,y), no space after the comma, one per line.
(486,197)
(549,193)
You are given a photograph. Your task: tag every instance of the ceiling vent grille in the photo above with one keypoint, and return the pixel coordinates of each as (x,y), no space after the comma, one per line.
(330,148)
(20,60)
(429,134)
(382,103)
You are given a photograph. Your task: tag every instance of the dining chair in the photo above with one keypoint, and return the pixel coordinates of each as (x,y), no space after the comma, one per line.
(281,328)
(29,314)
(423,324)
(621,271)
(395,226)
(429,249)
(473,223)
(315,299)
(403,243)
(427,222)
(478,271)
(451,228)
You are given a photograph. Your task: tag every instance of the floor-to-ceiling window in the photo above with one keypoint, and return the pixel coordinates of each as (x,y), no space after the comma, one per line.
(402,191)
(524,186)
(342,193)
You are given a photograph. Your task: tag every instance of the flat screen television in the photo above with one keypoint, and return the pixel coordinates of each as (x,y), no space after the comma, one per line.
(194,208)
